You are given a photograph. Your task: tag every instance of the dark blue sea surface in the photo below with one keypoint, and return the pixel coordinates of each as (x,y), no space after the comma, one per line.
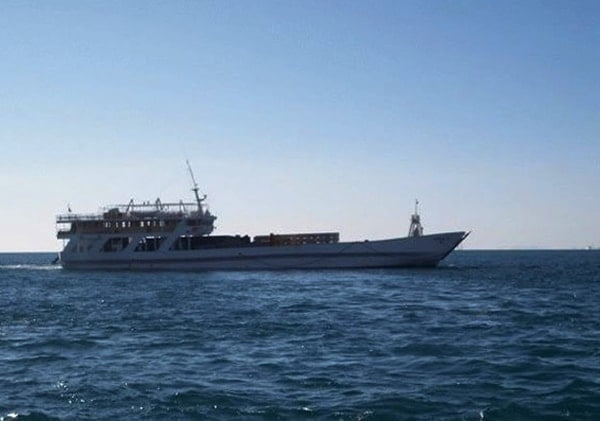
(487,335)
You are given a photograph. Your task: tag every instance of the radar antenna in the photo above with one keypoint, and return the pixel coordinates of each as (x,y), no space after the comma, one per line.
(195,188)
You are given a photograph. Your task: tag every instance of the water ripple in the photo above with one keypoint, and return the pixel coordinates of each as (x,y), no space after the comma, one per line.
(490,335)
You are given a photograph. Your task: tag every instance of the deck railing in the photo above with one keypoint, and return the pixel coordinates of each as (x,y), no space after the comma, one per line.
(74,217)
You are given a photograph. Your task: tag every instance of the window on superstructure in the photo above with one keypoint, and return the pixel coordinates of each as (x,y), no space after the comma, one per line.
(150,243)
(116,244)
(182,243)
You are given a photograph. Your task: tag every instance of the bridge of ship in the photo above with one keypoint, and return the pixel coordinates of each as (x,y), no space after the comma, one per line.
(133,218)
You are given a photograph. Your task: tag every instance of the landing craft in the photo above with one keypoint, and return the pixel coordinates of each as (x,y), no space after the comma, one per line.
(177,236)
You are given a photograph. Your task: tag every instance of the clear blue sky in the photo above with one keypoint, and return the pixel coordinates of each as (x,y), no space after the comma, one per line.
(307,115)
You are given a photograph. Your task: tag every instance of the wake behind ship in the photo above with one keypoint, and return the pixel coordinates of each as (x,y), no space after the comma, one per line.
(177,236)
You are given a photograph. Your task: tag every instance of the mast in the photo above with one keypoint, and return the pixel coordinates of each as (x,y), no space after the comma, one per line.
(195,188)
(415,230)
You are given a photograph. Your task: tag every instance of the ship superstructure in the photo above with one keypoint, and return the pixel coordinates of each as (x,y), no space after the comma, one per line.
(177,235)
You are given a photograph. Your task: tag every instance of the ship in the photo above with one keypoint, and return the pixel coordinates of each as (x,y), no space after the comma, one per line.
(179,236)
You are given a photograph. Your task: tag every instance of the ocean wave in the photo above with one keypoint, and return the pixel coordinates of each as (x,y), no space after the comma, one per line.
(29,267)
(31,416)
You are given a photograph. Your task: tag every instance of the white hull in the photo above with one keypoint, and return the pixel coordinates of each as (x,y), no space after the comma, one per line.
(426,250)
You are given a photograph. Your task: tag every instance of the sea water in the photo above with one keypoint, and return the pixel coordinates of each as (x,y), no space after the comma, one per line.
(487,335)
